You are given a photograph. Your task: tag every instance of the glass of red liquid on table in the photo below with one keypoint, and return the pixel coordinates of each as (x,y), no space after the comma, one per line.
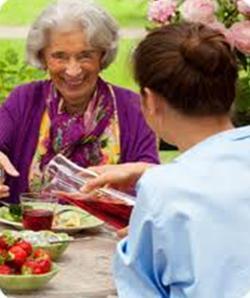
(37,211)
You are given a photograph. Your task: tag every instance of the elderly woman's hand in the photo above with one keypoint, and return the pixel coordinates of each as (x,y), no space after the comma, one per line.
(123,176)
(5,166)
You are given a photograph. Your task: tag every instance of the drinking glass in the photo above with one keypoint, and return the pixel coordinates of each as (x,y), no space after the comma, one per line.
(37,211)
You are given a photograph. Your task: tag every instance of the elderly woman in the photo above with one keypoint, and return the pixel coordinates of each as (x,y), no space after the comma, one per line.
(75,112)
(189,231)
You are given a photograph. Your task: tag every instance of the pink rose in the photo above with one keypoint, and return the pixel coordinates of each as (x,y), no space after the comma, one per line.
(223,30)
(199,11)
(244,7)
(161,11)
(241,36)
(218,26)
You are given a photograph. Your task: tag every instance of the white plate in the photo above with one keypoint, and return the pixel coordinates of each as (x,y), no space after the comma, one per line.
(88,221)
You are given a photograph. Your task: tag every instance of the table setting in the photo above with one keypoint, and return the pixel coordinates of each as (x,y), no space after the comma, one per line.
(78,247)
(83,263)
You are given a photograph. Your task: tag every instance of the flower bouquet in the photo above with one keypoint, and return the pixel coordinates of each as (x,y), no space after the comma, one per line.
(231,18)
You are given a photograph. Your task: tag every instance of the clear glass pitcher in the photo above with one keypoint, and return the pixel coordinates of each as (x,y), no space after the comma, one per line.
(61,174)
(65,178)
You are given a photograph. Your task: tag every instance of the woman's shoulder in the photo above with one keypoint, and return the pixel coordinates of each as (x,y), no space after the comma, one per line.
(126,96)
(128,103)
(27,94)
(26,98)
(31,88)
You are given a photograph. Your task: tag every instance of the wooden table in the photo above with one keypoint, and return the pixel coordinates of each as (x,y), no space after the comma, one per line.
(85,270)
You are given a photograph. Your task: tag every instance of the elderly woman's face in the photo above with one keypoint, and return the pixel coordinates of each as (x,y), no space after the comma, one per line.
(73,65)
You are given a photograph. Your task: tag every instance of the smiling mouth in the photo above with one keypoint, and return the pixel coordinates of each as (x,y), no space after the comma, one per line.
(75,83)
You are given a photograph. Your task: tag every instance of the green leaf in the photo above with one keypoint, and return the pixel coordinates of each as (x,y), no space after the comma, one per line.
(11,57)
(16,211)
(243,95)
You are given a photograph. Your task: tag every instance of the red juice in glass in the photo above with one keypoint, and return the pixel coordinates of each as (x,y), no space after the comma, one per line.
(37,219)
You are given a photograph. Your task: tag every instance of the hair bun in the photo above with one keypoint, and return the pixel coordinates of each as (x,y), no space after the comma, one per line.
(189,48)
(204,55)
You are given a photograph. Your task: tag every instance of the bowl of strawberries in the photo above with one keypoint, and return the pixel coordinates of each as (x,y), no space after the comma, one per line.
(23,267)
(53,243)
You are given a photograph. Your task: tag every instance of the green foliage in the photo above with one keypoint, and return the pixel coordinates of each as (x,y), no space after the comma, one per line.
(243,94)
(168,156)
(127,12)
(14,72)
(242,103)
(228,13)
(120,72)
(21,12)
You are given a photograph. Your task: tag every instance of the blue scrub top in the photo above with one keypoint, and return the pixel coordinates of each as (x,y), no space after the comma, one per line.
(189,232)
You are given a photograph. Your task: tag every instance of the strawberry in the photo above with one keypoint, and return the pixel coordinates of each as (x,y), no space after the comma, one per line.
(6,240)
(25,245)
(41,254)
(3,255)
(5,269)
(39,264)
(44,265)
(17,255)
(30,267)
(3,243)
(36,267)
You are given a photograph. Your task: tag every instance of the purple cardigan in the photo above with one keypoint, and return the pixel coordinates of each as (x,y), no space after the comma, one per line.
(20,118)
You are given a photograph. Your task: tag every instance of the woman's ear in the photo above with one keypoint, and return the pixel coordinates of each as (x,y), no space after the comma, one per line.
(150,101)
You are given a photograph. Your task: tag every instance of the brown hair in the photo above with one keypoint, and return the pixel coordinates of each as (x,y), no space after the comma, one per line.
(190,65)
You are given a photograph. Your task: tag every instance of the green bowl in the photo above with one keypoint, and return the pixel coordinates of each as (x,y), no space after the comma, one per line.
(55,250)
(22,283)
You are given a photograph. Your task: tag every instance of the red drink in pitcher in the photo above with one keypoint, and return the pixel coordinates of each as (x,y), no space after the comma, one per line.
(113,212)
(37,219)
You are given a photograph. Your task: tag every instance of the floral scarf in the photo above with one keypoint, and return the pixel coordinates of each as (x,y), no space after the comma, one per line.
(89,139)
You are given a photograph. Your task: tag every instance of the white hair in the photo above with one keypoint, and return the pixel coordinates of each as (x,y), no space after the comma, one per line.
(100,28)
